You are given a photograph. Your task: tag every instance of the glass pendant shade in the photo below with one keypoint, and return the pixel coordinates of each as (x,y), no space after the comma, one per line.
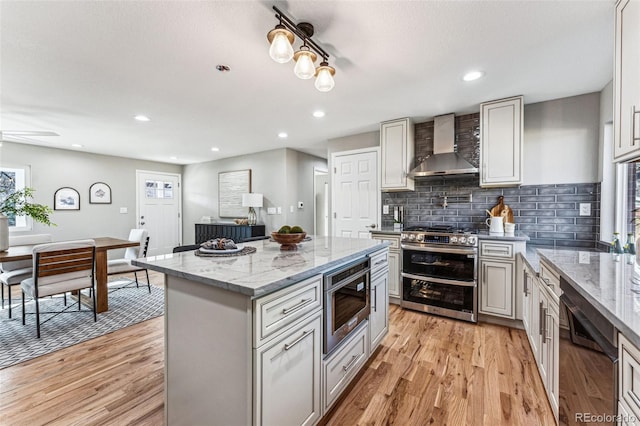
(304,69)
(281,50)
(324,77)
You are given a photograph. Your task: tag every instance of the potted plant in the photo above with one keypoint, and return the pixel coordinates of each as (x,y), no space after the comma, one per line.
(18,203)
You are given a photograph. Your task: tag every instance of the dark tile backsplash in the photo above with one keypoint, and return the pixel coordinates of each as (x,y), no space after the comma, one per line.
(543,212)
(548,214)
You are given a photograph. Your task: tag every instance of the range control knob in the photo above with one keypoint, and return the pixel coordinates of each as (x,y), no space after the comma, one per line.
(453,240)
(420,237)
(412,237)
(471,240)
(403,236)
(463,240)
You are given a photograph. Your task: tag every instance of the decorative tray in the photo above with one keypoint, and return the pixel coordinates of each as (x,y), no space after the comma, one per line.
(238,248)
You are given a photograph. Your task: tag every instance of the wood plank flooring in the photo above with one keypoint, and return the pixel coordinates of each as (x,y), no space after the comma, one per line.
(429,370)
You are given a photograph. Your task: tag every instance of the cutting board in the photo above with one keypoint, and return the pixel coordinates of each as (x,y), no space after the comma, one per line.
(501,209)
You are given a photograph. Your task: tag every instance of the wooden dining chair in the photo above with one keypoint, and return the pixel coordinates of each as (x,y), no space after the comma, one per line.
(57,269)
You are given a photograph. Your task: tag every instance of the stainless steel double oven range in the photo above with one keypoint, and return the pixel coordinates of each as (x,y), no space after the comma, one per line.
(440,271)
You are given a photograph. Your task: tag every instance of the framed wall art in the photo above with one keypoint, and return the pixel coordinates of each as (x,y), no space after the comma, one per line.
(66,198)
(100,193)
(231,186)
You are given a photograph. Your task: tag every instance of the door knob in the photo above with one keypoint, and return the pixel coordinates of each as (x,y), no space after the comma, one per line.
(372,226)
(141,223)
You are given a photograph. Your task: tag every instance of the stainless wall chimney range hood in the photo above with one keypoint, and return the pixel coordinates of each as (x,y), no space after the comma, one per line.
(444,161)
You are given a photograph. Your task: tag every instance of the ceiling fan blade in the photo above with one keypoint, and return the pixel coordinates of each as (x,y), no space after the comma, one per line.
(28,133)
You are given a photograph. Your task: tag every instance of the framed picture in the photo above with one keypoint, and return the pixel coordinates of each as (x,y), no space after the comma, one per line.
(66,198)
(231,186)
(100,193)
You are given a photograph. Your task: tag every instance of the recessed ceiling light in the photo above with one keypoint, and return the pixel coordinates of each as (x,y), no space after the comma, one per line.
(142,118)
(318,114)
(282,135)
(472,75)
(77,145)
(173,157)
(215,149)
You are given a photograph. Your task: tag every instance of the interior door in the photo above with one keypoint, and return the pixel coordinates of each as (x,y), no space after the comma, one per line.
(159,210)
(355,188)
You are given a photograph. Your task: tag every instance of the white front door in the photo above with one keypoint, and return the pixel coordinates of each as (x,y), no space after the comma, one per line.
(159,209)
(355,189)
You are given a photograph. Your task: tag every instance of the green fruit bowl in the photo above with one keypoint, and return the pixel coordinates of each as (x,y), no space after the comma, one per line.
(288,241)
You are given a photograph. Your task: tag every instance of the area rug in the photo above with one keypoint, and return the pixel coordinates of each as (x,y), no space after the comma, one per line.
(127,306)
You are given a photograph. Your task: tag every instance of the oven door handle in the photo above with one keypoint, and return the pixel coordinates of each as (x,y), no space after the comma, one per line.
(468,251)
(440,280)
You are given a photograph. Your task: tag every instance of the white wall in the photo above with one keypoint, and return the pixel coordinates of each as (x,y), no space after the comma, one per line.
(607,169)
(54,168)
(280,175)
(348,143)
(561,140)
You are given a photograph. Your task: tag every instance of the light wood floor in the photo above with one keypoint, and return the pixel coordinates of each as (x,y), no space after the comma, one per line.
(430,370)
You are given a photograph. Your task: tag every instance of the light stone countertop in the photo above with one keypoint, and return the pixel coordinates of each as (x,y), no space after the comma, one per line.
(268,269)
(387,230)
(608,284)
(516,236)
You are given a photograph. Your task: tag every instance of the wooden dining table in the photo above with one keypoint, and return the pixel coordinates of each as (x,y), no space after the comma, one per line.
(103,245)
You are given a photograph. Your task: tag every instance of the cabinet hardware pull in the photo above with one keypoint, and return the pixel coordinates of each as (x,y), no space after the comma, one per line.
(379,262)
(375,299)
(547,282)
(546,336)
(540,320)
(348,366)
(304,302)
(526,286)
(288,346)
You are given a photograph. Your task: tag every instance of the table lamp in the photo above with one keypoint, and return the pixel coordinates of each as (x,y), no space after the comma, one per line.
(252,200)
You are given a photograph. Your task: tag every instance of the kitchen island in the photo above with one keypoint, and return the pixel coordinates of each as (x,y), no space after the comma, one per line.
(243,334)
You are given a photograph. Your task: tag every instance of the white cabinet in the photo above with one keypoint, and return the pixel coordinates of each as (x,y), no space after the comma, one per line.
(501,124)
(379,316)
(497,280)
(342,365)
(629,376)
(496,296)
(287,375)
(627,81)
(527,286)
(397,150)
(550,342)
(395,262)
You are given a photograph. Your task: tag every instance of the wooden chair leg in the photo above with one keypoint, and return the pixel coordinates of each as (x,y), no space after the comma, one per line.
(148,282)
(23,313)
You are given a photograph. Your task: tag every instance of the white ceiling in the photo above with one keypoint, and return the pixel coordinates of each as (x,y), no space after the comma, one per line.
(83,69)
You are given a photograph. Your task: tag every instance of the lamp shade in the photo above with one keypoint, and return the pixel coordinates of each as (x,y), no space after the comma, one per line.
(252,200)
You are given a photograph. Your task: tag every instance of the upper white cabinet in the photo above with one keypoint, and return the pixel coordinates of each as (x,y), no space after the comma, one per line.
(626,107)
(501,142)
(397,148)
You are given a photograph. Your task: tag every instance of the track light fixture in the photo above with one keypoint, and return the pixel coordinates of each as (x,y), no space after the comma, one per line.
(282,38)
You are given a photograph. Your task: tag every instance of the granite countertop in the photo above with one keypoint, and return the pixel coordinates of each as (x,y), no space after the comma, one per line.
(268,269)
(611,284)
(387,230)
(516,236)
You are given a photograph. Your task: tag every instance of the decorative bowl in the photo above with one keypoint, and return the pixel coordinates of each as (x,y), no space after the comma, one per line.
(288,241)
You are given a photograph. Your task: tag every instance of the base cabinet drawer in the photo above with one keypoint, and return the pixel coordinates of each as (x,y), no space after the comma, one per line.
(343,364)
(629,376)
(276,311)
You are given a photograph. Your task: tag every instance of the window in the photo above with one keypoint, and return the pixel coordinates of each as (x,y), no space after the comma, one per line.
(14,179)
